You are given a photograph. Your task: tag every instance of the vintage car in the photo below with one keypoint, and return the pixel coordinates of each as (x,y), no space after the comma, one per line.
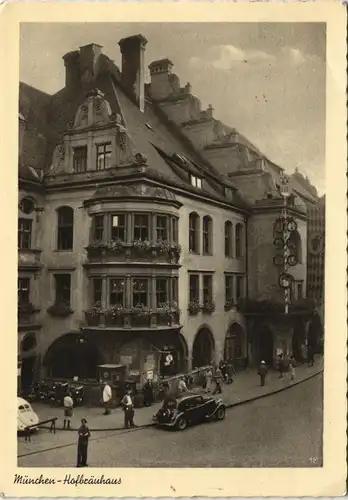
(189,409)
(25,415)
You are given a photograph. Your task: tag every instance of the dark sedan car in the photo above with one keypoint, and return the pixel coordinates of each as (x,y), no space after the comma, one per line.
(178,413)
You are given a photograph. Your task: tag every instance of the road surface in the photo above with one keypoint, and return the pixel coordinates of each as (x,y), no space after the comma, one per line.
(281,430)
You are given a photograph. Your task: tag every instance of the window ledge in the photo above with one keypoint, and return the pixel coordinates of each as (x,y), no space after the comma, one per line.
(65,251)
(30,250)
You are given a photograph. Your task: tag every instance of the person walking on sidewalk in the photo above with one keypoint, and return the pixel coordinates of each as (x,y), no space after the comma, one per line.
(182,387)
(209,379)
(82,444)
(128,408)
(68,404)
(292,364)
(148,393)
(263,372)
(218,380)
(107,396)
(281,365)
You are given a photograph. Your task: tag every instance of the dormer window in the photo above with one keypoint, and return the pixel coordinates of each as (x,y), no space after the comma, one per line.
(80,159)
(180,158)
(103,156)
(196,181)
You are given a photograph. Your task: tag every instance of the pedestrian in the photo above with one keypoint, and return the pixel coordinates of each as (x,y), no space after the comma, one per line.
(107,397)
(148,393)
(263,372)
(223,368)
(128,408)
(82,444)
(281,365)
(218,379)
(182,387)
(292,364)
(68,404)
(209,378)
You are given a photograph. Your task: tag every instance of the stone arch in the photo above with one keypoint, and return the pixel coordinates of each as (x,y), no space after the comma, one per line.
(296,245)
(203,348)
(235,343)
(72,355)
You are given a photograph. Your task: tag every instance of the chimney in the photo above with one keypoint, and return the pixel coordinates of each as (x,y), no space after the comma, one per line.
(133,51)
(160,72)
(72,69)
(89,59)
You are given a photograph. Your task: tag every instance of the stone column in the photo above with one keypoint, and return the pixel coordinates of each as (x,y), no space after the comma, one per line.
(153,231)
(91,152)
(129,227)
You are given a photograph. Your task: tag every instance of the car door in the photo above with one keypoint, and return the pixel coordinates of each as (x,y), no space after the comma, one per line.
(197,410)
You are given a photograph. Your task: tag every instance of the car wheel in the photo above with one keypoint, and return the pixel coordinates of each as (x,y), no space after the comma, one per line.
(182,424)
(221,413)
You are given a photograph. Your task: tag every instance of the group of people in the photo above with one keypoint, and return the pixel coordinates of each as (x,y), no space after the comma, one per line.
(281,365)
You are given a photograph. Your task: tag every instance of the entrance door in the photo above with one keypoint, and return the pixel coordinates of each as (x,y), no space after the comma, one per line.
(203,348)
(27,373)
(265,345)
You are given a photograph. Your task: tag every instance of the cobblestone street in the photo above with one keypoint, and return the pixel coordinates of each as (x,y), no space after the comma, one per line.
(282,430)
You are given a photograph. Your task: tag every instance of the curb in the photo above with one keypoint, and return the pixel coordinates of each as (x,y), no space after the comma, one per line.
(231,405)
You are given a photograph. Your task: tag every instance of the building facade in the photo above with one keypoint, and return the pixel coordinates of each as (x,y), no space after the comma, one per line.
(143,224)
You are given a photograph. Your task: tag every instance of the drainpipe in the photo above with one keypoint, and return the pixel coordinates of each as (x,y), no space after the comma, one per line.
(247,282)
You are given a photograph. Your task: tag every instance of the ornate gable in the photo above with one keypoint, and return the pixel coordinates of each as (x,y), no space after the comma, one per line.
(94,112)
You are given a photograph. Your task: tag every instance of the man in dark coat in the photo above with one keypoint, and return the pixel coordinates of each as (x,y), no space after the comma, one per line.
(148,393)
(263,372)
(82,444)
(128,408)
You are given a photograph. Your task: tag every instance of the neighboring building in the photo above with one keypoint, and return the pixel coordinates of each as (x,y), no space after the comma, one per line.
(138,237)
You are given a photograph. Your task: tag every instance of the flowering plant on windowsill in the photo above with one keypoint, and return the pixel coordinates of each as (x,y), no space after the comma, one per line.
(208,306)
(194,307)
(26,308)
(229,304)
(60,309)
(97,245)
(163,246)
(175,249)
(96,310)
(115,244)
(116,311)
(167,308)
(142,245)
(140,310)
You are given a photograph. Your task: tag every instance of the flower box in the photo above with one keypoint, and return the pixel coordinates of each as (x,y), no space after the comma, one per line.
(208,307)
(61,309)
(194,307)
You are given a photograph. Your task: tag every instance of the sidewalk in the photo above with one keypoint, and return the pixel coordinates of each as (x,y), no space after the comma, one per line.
(246,387)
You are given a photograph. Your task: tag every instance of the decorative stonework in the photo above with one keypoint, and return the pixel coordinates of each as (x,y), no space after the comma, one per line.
(95,111)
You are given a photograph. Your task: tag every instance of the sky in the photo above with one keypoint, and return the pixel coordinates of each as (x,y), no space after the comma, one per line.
(265,79)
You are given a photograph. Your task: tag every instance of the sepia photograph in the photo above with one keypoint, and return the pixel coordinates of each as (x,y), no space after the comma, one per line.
(177,177)
(171,237)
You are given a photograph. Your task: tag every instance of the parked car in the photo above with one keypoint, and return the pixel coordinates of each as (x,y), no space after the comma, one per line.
(189,409)
(25,415)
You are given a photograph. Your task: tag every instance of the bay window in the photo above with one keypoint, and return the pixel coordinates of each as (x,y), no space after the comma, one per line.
(140,292)
(141,227)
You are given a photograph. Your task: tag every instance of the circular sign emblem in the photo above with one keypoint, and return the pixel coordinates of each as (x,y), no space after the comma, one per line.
(292,226)
(291,260)
(285,280)
(105,374)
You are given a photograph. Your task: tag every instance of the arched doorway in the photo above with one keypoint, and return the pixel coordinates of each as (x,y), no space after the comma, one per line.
(28,362)
(265,345)
(203,348)
(72,355)
(234,344)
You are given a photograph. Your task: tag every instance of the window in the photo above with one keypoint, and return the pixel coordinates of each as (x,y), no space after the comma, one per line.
(239,287)
(296,245)
(80,159)
(162,227)
(103,156)
(229,288)
(23,291)
(161,291)
(239,241)
(207,288)
(140,292)
(118,227)
(65,228)
(63,287)
(97,284)
(194,232)
(117,292)
(24,233)
(228,238)
(194,287)
(175,291)
(175,230)
(207,235)
(141,227)
(196,181)
(98,227)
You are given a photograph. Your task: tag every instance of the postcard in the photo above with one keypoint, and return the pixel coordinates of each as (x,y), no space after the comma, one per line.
(180,204)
